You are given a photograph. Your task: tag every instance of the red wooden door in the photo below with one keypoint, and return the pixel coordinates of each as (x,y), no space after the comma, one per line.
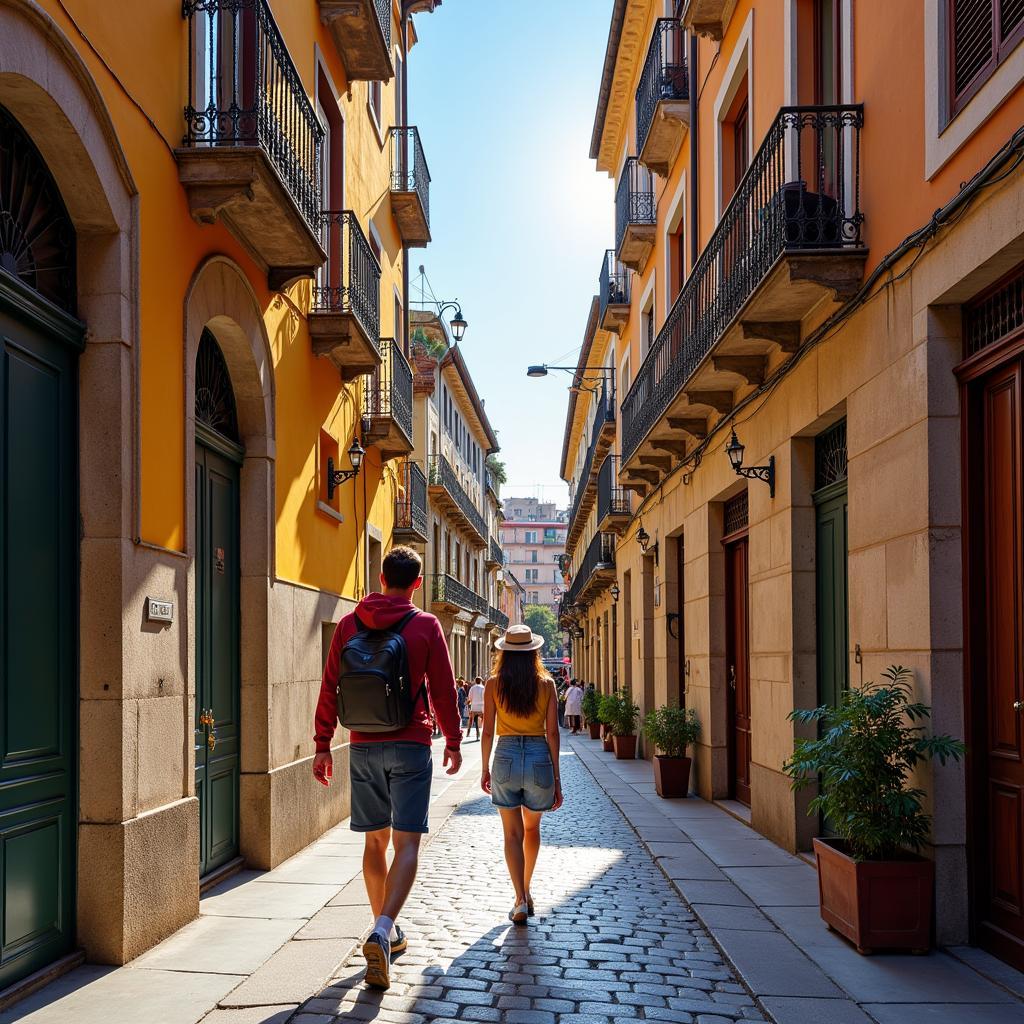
(738,666)
(998,697)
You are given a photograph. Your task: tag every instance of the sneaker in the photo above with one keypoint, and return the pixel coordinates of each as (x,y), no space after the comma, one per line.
(377,951)
(518,914)
(400,943)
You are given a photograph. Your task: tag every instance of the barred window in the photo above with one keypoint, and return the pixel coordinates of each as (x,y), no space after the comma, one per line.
(981,34)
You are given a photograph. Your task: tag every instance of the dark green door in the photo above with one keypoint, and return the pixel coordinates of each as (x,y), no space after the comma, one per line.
(38,637)
(218,696)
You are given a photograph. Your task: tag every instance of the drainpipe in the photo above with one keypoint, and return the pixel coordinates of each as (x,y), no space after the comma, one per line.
(694,146)
(404,22)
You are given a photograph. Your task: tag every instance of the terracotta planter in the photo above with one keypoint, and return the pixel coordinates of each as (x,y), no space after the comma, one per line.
(608,741)
(876,904)
(625,747)
(595,730)
(671,776)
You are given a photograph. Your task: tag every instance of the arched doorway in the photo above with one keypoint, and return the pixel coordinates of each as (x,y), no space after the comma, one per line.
(218,461)
(41,341)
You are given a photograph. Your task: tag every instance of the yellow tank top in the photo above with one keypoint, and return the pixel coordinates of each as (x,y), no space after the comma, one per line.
(534,724)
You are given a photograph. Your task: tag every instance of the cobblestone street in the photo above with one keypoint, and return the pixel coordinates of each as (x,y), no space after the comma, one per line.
(611,939)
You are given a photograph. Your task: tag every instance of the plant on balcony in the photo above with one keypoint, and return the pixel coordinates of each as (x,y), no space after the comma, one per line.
(496,468)
(434,348)
(591,712)
(671,729)
(625,714)
(875,887)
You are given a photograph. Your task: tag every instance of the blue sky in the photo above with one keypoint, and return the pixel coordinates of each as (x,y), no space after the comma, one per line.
(504,96)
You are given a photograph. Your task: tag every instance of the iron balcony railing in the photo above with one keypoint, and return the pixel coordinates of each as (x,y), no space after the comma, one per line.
(497,555)
(634,199)
(664,76)
(600,554)
(409,171)
(384,18)
(801,192)
(442,475)
(448,590)
(611,498)
(411,510)
(615,282)
(498,618)
(245,91)
(390,390)
(349,282)
(491,484)
(605,414)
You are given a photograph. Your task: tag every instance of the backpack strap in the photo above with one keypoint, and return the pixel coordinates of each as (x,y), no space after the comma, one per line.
(403,621)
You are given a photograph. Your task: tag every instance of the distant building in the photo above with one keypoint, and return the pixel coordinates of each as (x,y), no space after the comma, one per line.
(533,548)
(533,510)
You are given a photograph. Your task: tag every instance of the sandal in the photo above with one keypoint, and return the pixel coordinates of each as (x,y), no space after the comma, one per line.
(518,914)
(529,906)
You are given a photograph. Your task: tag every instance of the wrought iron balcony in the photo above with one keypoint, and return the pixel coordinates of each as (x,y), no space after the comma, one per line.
(388,411)
(448,594)
(410,187)
(635,215)
(497,618)
(345,317)
(596,571)
(411,519)
(362,36)
(448,493)
(789,239)
(662,98)
(614,505)
(602,434)
(251,151)
(495,557)
(614,293)
(492,485)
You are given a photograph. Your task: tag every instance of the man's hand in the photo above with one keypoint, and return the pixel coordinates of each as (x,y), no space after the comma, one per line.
(323,768)
(452,758)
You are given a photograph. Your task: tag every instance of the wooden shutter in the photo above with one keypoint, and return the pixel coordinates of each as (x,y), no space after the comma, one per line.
(981,34)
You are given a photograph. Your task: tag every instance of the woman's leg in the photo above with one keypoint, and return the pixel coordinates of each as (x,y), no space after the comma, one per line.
(531,844)
(512,823)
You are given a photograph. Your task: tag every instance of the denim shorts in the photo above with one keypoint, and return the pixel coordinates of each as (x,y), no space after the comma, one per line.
(390,786)
(522,774)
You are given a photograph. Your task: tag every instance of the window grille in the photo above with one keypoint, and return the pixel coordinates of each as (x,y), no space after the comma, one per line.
(830,455)
(996,314)
(736,511)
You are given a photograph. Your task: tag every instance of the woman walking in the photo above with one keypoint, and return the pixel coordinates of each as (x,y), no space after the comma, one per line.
(521,705)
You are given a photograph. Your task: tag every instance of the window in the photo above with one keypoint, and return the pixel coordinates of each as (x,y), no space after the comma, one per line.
(735,142)
(531,536)
(533,556)
(374,100)
(981,35)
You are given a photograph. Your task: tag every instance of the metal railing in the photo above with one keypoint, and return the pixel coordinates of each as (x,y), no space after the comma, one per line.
(349,282)
(441,474)
(384,19)
(605,414)
(497,617)
(600,554)
(245,91)
(611,498)
(409,171)
(491,484)
(634,199)
(449,590)
(664,76)
(411,510)
(615,283)
(801,192)
(390,388)
(497,555)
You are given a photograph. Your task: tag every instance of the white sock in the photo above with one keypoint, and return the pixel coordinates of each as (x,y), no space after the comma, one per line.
(383,926)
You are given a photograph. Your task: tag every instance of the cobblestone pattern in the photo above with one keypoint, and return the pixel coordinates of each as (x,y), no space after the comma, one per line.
(612,941)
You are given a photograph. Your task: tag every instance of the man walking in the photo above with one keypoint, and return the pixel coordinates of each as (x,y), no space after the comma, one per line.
(391,771)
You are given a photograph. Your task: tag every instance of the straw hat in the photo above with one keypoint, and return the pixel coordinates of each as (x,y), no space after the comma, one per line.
(519,638)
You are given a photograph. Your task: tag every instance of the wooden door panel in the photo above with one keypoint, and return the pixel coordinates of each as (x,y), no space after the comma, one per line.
(1006,865)
(738,666)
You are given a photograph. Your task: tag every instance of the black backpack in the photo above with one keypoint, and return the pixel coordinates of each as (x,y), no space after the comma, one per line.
(374,685)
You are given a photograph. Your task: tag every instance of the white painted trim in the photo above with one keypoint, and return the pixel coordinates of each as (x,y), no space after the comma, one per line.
(847,84)
(789,54)
(676,216)
(741,62)
(942,140)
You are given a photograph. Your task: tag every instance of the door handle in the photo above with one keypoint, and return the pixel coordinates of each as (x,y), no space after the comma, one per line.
(732,677)
(1018,705)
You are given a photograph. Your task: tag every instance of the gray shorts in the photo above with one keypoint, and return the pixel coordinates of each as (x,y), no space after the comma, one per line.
(522,774)
(390,786)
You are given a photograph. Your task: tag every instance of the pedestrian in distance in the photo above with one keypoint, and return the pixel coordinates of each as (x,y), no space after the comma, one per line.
(521,706)
(574,707)
(476,706)
(461,694)
(388,666)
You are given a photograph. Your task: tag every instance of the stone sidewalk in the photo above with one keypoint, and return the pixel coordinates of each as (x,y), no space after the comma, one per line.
(760,905)
(264,941)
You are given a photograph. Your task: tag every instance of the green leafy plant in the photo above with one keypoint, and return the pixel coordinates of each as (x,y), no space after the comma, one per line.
(590,706)
(433,347)
(496,468)
(623,714)
(541,619)
(866,748)
(671,729)
(606,708)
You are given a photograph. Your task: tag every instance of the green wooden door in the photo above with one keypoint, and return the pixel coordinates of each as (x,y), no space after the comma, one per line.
(832,603)
(218,696)
(38,636)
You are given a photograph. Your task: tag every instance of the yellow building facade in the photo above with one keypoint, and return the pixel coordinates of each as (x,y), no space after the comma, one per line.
(208,213)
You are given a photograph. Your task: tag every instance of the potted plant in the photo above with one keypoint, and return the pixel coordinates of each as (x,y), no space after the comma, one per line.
(606,713)
(625,716)
(671,730)
(874,887)
(591,703)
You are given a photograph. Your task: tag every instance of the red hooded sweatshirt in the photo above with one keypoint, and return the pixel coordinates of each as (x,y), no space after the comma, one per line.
(429,662)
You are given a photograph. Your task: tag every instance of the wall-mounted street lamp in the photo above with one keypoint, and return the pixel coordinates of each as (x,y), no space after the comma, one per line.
(614,591)
(643,538)
(458,322)
(336,477)
(734,449)
(605,373)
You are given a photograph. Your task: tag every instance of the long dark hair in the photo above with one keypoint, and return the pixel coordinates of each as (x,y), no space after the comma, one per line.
(519,676)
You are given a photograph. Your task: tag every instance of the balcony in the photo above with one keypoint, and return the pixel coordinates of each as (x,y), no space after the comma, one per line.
(708,17)
(788,243)
(448,494)
(362,36)
(492,485)
(613,300)
(410,187)
(251,151)
(449,596)
(663,98)
(388,411)
(635,215)
(411,519)
(344,321)
(497,618)
(596,572)
(494,558)
(602,435)
(614,505)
